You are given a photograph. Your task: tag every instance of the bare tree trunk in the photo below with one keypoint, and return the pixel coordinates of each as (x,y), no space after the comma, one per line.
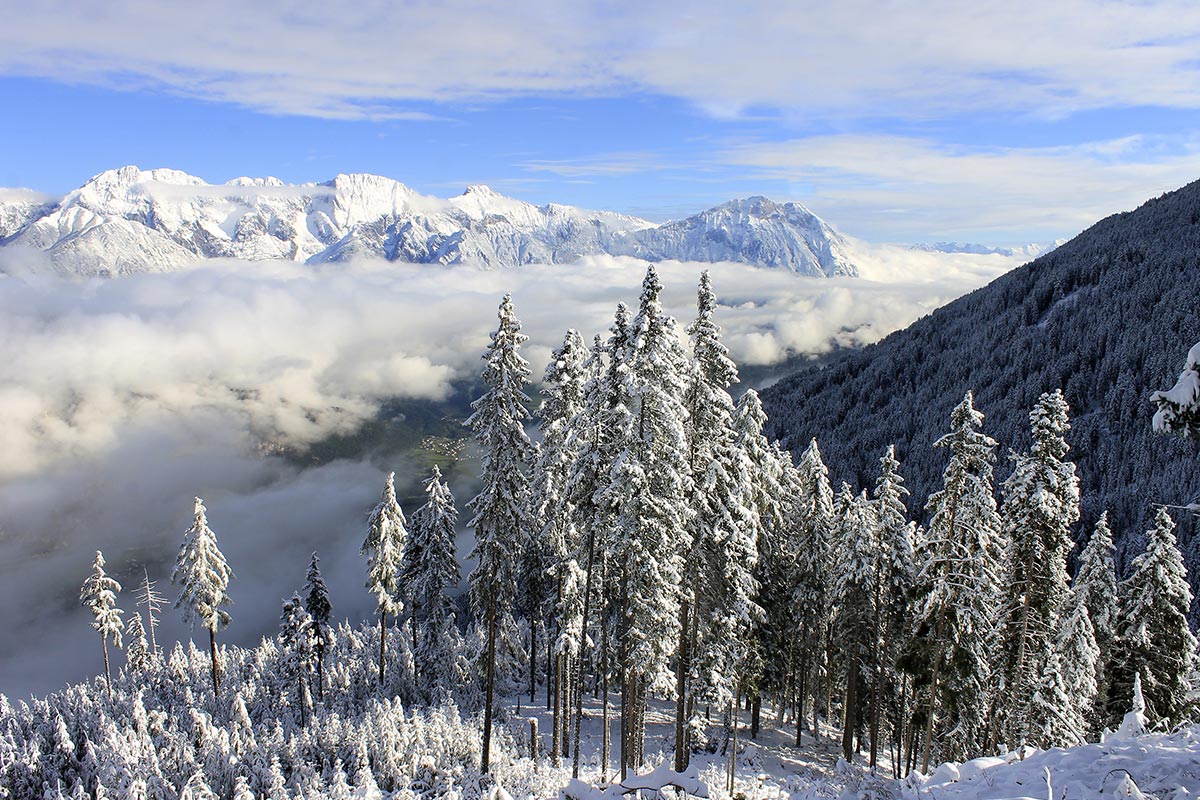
(933,687)
(320,671)
(587,611)
(604,733)
(533,626)
(755,713)
(568,676)
(490,688)
(850,712)
(681,746)
(550,658)
(107,674)
(733,725)
(801,691)
(382,644)
(558,710)
(212,650)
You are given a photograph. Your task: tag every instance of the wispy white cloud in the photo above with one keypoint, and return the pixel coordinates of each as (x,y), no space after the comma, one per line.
(882,186)
(850,58)
(599,165)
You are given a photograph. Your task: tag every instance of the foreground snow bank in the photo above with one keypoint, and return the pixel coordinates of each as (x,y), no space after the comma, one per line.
(1162,766)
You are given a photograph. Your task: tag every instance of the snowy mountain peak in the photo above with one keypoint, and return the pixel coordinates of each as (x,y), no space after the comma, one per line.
(130,219)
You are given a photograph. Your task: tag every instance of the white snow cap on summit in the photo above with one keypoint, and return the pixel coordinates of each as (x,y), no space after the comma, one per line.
(132,220)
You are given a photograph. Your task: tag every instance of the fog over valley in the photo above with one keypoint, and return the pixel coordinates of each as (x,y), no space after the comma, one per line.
(249,384)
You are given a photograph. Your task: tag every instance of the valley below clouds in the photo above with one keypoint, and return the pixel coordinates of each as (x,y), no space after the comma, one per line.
(122,399)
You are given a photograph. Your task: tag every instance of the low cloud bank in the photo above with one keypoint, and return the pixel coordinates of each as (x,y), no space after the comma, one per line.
(122,399)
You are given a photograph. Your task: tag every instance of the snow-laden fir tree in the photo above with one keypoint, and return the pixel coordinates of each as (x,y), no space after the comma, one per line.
(895,571)
(778,576)
(649,485)
(1096,587)
(595,437)
(430,569)
(1041,504)
(765,538)
(387,534)
(856,547)
(813,510)
(137,649)
(99,596)
(1179,407)
(552,537)
(320,611)
(501,519)
(1079,662)
(957,588)
(298,639)
(1153,636)
(719,520)
(726,584)
(1051,717)
(203,579)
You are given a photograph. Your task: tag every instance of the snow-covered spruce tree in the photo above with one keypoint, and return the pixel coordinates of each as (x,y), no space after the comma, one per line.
(320,610)
(778,577)
(765,538)
(595,435)
(1041,504)
(813,511)
(297,638)
(719,516)
(957,588)
(552,539)
(740,499)
(648,486)
(137,649)
(1179,407)
(895,571)
(431,568)
(203,579)
(387,534)
(1079,660)
(856,554)
(1154,639)
(555,551)
(99,596)
(1096,587)
(501,519)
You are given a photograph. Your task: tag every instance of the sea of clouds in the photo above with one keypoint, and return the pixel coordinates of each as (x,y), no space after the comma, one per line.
(122,399)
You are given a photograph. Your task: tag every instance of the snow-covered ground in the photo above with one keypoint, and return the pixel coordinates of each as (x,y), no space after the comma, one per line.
(1156,766)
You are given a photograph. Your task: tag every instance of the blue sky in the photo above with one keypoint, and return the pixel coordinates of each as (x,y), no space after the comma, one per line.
(1005,125)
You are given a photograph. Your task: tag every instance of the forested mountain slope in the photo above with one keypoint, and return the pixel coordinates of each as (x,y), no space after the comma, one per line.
(1108,317)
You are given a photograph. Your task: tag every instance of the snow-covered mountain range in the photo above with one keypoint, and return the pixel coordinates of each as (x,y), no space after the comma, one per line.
(132,220)
(1029,251)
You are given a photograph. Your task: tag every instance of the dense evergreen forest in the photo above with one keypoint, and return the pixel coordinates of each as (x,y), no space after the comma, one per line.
(652,545)
(1106,317)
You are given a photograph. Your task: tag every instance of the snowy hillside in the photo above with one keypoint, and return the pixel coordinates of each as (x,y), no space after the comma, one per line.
(1104,316)
(130,220)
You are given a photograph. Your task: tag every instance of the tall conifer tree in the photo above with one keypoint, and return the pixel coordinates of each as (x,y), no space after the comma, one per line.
(648,486)
(500,517)
(1041,504)
(387,534)
(430,569)
(1154,639)
(203,579)
(958,588)
(99,595)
